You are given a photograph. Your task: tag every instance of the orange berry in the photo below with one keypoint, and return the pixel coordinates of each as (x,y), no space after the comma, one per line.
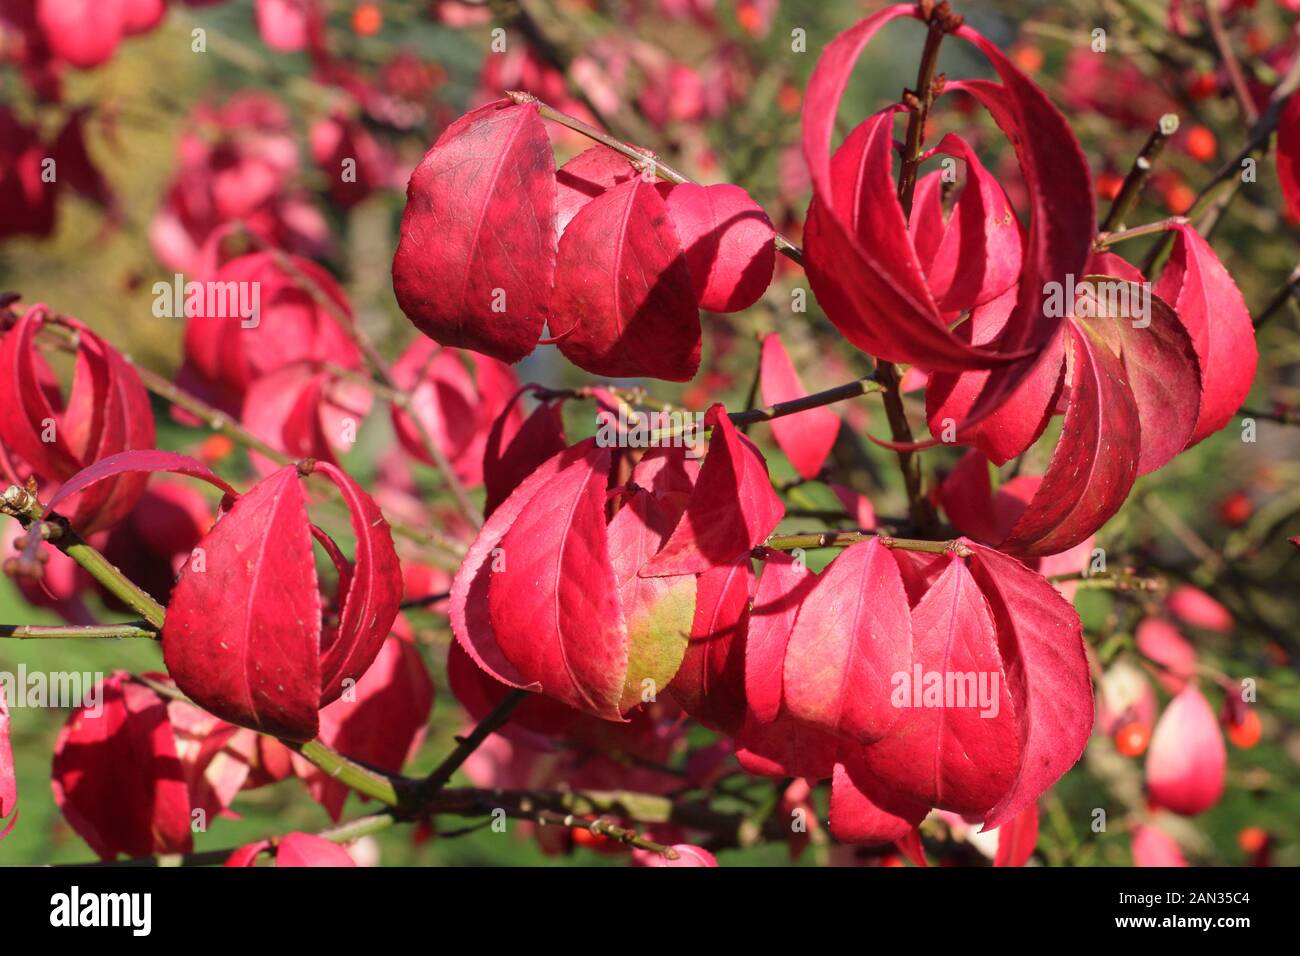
(1131,740)
(1203,86)
(1235,510)
(366,20)
(1257,41)
(1028,58)
(788,98)
(1201,144)
(1246,733)
(1109,184)
(1252,839)
(215,448)
(1179,198)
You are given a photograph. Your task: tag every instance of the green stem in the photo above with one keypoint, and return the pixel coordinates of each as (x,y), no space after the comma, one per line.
(842,539)
(41,631)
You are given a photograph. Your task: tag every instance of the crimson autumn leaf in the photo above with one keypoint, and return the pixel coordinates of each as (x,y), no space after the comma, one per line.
(1186,760)
(658,611)
(943,753)
(731,509)
(808,437)
(710,684)
(862,811)
(1210,306)
(106,411)
(116,776)
(860,259)
(585,177)
(476,259)
(1130,382)
(459,397)
(293,849)
(555,604)
(8,775)
(784,747)
(243,635)
(853,634)
(782,588)
(514,451)
(624,303)
(728,241)
(1288,155)
(1017,838)
(304,412)
(226,354)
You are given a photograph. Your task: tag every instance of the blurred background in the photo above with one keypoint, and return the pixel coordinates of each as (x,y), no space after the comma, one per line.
(715,87)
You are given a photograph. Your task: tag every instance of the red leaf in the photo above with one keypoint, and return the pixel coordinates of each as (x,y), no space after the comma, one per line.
(1288,155)
(978,257)
(585,177)
(852,636)
(8,776)
(479,223)
(1040,641)
(242,636)
(951,749)
(1096,460)
(1153,847)
(150,461)
(1210,305)
(116,776)
(247,855)
(540,437)
(471,621)
(710,684)
(728,241)
(732,507)
(1159,641)
(857,817)
(784,747)
(1187,758)
(1017,838)
(624,304)
(306,849)
(1162,369)
(781,590)
(657,611)
(1194,607)
(554,603)
(373,595)
(107,411)
(808,437)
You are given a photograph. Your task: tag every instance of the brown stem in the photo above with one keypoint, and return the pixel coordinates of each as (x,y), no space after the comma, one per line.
(1141,171)
(1280,298)
(1240,88)
(496,719)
